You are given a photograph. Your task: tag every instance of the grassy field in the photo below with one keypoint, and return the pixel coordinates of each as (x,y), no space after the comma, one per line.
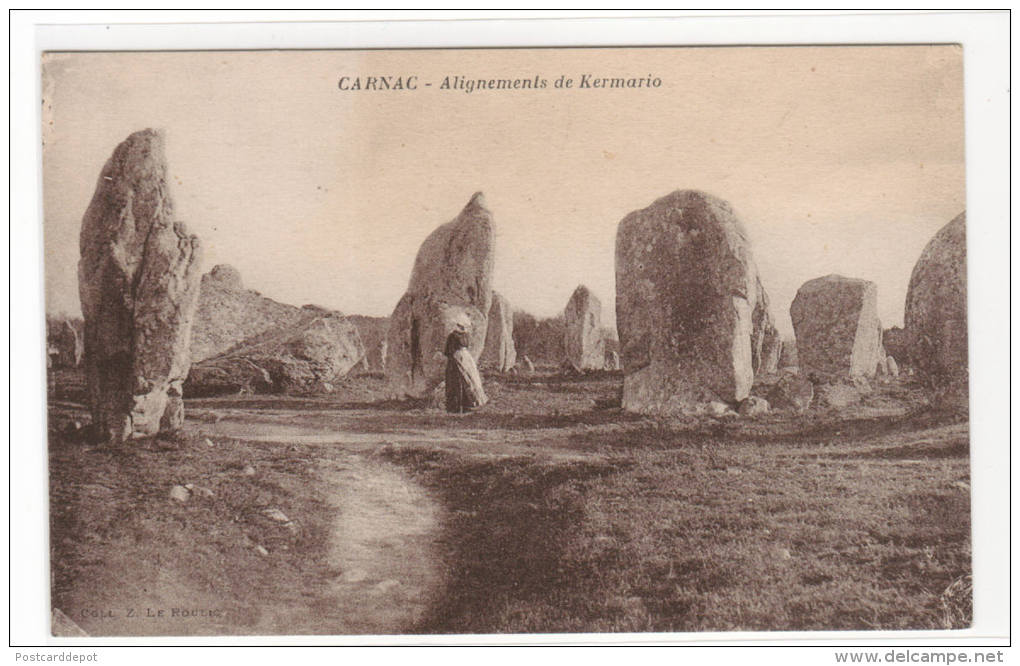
(553,512)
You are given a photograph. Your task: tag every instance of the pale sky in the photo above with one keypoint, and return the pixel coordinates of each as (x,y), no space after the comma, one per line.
(837,159)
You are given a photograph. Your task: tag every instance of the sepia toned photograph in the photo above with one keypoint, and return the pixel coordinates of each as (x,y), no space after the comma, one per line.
(506,341)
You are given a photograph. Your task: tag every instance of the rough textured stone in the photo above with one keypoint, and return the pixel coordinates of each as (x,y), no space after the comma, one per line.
(499,352)
(65,342)
(792,392)
(686,288)
(582,336)
(753,405)
(138,281)
(228,314)
(892,367)
(935,319)
(788,354)
(765,340)
(835,319)
(612,361)
(373,332)
(452,279)
(308,356)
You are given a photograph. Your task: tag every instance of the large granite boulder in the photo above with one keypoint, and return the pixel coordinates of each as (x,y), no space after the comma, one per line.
(451,281)
(583,344)
(138,281)
(935,318)
(835,319)
(307,356)
(686,291)
(229,314)
(64,341)
(373,332)
(499,352)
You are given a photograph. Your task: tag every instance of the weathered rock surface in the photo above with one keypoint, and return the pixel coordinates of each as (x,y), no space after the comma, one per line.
(451,279)
(229,314)
(935,319)
(892,367)
(765,341)
(792,392)
(612,361)
(64,341)
(499,352)
(373,332)
(138,282)
(307,356)
(686,289)
(582,336)
(835,319)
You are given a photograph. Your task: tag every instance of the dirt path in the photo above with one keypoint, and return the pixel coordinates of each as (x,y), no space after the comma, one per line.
(383,548)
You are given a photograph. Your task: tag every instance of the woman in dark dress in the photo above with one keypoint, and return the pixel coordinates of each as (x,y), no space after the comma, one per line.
(464,390)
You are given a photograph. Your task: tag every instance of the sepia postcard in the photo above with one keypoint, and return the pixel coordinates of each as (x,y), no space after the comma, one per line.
(507,341)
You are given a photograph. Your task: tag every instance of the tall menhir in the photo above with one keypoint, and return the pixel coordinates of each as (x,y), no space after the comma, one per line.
(138,279)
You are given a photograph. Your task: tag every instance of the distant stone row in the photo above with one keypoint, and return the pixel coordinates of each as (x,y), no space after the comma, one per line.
(694,320)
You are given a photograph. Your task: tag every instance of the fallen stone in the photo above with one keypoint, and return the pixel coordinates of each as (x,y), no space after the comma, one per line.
(716,408)
(275,515)
(686,289)
(261,550)
(248,470)
(180,494)
(138,283)
(583,343)
(836,322)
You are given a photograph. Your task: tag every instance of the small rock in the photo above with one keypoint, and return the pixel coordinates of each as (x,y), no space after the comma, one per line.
(753,406)
(385,586)
(354,576)
(962,485)
(783,554)
(203,492)
(261,550)
(734,471)
(892,367)
(179,493)
(276,514)
(248,470)
(717,408)
(189,486)
(208,442)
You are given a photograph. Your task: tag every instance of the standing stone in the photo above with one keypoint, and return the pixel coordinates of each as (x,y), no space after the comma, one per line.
(788,354)
(765,340)
(452,278)
(138,279)
(499,352)
(835,320)
(935,319)
(686,288)
(891,367)
(582,335)
(613,361)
